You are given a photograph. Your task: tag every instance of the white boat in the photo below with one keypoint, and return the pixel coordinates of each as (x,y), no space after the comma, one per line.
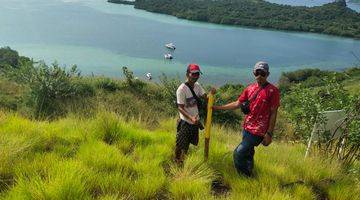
(149,76)
(168,56)
(170,46)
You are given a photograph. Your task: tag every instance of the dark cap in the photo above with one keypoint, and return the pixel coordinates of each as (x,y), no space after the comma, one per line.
(261,65)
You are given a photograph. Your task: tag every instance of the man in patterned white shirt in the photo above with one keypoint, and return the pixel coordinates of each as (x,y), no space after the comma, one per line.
(189,95)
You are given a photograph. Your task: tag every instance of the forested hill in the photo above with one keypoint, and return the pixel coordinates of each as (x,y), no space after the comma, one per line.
(333,18)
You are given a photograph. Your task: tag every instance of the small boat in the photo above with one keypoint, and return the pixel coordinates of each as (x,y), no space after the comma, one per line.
(149,76)
(168,56)
(170,46)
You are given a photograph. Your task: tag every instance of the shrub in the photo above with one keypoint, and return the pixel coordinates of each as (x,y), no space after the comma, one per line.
(107,84)
(51,87)
(303,105)
(169,87)
(133,83)
(82,87)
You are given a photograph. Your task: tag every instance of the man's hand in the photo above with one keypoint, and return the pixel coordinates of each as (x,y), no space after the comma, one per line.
(267,140)
(213,90)
(215,107)
(195,119)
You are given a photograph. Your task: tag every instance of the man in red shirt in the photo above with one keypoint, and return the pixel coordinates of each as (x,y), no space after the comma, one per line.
(263,99)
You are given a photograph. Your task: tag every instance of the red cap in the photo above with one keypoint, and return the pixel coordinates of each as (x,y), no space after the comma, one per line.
(193,68)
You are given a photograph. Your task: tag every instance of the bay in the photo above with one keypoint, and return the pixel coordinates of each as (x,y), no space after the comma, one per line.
(101,38)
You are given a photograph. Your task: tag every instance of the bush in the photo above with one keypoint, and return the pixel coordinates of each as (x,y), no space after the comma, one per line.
(107,84)
(51,87)
(169,87)
(303,104)
(133,83)
(304,107)
(82,87)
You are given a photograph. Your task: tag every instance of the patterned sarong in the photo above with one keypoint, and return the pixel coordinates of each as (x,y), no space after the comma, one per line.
(186,134)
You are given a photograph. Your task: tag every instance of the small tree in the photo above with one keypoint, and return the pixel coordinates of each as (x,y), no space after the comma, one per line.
(129,76)
(50,87)
(132,82)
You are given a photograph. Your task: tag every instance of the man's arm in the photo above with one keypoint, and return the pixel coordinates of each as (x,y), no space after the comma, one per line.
(268,136)
(272,122)
(275,103)
(233,105)
(230,106)
(193,119)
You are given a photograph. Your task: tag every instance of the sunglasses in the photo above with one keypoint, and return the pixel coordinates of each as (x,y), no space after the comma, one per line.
(260,72)
(195,75)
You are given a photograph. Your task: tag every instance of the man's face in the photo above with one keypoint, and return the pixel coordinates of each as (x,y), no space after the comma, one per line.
(260,75)
(193,77)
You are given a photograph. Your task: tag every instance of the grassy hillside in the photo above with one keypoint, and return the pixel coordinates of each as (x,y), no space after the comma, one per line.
(68,136)
(107,158)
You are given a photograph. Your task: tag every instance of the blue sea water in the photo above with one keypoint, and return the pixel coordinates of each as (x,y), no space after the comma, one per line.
(101,37)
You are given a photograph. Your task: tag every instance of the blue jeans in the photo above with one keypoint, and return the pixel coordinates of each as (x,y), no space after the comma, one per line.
(244,153)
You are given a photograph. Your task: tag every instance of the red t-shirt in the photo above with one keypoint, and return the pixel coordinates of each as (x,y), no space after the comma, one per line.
(257,122)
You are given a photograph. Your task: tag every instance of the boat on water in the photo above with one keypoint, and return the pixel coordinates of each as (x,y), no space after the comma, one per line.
(170,46)
(168,56)
(149,76)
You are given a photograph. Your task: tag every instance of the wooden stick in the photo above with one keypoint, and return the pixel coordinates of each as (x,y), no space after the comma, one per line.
(208,125)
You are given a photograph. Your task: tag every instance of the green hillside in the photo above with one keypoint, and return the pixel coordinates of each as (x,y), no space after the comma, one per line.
(108,158)
(68,136)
